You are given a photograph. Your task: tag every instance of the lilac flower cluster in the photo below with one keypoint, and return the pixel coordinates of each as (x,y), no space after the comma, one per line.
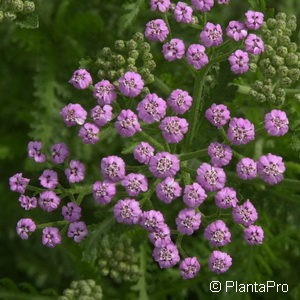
(50,197)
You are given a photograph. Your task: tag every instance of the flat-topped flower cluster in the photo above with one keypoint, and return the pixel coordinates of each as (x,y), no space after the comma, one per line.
(163,164)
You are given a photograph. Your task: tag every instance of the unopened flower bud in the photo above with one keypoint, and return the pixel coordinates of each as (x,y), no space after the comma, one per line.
(106,52)
(285,82)
(291,59)
(253,93)
(101,74)
(120,72)
(280,100)
(281,16)
(269,71)
(195,20)
(145,47)
(145,92)
(149,79)
(269,50)
(145,72)
(99,62)
(120,45)
(120,60)
(107,65)
(131,61)
(138,37)
(266,33)
(283,71)
(147,56)
(271,23)
(150,64)
(264,63)
(132,68)
(29,7)
(279,92)
(1,16)
(133,54)
(258,85)
(8,16)
(284,40)
(272,98)
(111,74)
(292,47)
(272,40)
(282,51)
(277,60)
(287,32)
(261,98)
(294,74)
(131,45)
(16,5)
(281,24)
(104,271)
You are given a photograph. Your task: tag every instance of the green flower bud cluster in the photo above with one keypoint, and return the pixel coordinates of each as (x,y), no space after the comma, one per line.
(133,55)
(82,290)
(280,63)
(10,10)
(117,260)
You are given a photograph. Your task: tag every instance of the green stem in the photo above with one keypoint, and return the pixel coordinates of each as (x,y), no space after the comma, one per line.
(197,103)
(243,89)
(188,170)
(39,190)
(186,175)
(51,224)
(195,154)
(151,140)
(168,24)
(292,91)
(162,86)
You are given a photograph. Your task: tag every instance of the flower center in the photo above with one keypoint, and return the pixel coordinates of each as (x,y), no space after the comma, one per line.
(219,151)
(248,169)
(130,83)
(193,195)
(218,236)
(168,190)
(188,222)
(112,170)
(165,254)
(151,107)
(278,123)
(214,34)
(164,164)
(173,127)
(134,185)
(97,113)
(272,169)
(239,133)
(127,123)
(101,192)
(211,176)
(219,264)
(126,212)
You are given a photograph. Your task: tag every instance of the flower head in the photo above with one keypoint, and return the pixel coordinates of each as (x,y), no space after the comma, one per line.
(104,191)
(49,201)
(219,262)
(35,152)
(166,255)
(164,164)
(131,84)
(196,56)
(18,183)
(174,49)
(211,35)
(101,115)
(254,44)
(220,154)
(240,131)
(217,233)
(271,168)
(49,179)
(71,212)
(226,198)
(73,114)
(189,267)
(223,2)
(203,5)
(104,92)
(151,109)
(160,5)
(127,211)
(211,178)
(245,214)
(239,61)
(81,79)
(25,227)
(152,220)
(173,129)
(246,168)
(27,202)
(183,13)
(143,152)
(156,30)
(134,184)
(168,190)
(89,133)
(254,19)
(75,172)
(254,235)
(113,168)
(276,123)
(188,221)
(77,231)
(51,237)
(59,152)
(194,195)
(160,235)
(218,115)
(236,30)
(180,101)
(127,123)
